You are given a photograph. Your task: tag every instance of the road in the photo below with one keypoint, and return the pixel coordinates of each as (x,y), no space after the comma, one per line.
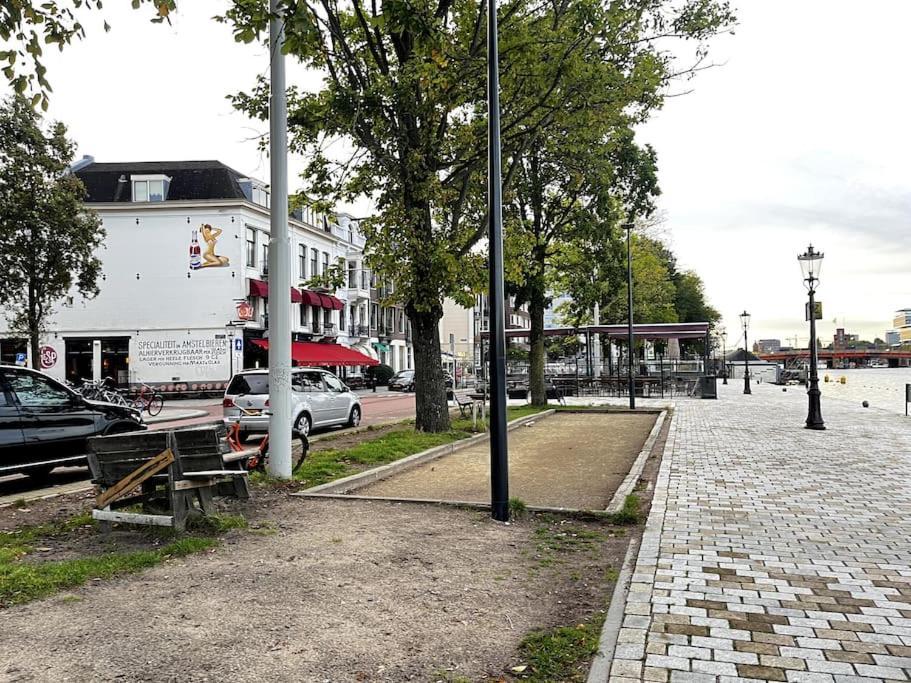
(378,408)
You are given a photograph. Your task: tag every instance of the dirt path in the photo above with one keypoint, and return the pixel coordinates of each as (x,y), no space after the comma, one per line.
(567,460)
(339,591)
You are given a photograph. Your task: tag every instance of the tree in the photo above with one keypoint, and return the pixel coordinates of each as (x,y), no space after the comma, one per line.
(48,239)
(26,25)
(690,301)
(405,88)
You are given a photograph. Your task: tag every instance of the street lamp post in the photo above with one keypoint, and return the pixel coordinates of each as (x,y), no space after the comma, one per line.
(810,264)
(745,319)
(229,329)
(631,382)
(724,355)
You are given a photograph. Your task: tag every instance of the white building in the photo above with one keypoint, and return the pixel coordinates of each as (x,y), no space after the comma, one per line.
(185,279)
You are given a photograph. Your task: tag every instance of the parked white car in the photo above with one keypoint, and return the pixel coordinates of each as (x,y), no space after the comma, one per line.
(318,399)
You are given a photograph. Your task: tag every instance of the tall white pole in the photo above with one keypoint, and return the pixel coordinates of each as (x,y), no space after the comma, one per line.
(279,261)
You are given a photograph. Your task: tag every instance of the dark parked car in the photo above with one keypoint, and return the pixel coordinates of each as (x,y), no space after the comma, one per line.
(44,424)
(403,380)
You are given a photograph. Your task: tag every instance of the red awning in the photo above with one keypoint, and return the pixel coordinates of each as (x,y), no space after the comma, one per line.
(311,353)
(261,289)
(321,300)
(311,298)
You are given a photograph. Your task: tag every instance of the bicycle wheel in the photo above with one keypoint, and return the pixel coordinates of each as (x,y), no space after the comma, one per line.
(156,403)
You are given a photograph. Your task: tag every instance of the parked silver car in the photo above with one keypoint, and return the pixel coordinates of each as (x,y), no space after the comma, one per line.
(318,399)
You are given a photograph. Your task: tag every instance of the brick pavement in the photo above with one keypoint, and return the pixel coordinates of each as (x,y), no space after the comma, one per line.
(773,552)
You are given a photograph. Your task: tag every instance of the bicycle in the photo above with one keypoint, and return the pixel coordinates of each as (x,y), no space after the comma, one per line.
(148,400)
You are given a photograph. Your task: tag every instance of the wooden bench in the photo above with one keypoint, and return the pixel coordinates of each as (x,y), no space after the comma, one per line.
(177,474)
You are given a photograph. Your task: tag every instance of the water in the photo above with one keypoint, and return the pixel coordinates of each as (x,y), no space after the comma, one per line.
(883,388)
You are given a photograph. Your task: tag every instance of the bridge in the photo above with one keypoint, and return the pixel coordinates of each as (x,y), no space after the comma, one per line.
(895,357)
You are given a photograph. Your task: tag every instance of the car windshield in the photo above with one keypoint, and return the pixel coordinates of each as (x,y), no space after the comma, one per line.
(404,374)
(249,384)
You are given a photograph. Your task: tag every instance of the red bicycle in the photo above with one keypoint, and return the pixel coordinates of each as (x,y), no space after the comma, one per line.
(148,400)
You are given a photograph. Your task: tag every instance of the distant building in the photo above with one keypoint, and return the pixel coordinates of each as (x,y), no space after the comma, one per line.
(842,339)
(768,345)
(551,315)
(893,338)
(902,325)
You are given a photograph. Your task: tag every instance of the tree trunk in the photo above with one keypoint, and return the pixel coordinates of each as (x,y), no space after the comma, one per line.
(431,411)
(536,381)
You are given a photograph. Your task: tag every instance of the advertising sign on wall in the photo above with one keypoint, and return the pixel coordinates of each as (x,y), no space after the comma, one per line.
(175,357)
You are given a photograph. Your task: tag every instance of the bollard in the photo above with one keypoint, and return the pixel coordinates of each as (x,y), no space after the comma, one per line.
(825,379)
(865,404)
(843,380)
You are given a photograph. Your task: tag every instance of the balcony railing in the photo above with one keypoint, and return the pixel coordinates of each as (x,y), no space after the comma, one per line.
(329,330)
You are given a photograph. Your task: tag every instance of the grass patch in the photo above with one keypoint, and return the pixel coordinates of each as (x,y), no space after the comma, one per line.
(517,507)
(14,544)
(216,524)
(22,581)
(629,513)
(562,653)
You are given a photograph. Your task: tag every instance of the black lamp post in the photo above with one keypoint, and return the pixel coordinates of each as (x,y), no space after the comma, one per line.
(631,382)
(745,319)
(724,355)
(810,264)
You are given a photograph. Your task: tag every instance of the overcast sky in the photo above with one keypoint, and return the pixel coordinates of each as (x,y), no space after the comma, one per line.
(799,136)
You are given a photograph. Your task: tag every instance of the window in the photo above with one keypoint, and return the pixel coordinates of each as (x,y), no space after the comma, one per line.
(251,247)
(150,188)
(401,321)
(307,382)
(302,261)
(352,274)
(37,391)
(374,308)
(325,263)
(265,265)
(303,315)
(260,196)
(364,279)
(314,269)
(314,317)
(333,383)
(341,319)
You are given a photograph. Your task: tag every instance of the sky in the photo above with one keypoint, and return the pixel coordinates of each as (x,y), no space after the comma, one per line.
(798,135)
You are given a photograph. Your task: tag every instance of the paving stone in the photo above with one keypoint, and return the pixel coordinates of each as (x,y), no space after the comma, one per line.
(765,551)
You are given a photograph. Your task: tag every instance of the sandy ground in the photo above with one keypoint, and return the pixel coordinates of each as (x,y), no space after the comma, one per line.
(325,591)
(573,460)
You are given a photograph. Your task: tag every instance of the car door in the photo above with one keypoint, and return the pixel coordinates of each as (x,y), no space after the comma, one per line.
(55,421)
(12,451)
(338,397)
(311,383)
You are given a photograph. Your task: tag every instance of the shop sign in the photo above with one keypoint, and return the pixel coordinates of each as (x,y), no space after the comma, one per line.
(48,357)
(244,311)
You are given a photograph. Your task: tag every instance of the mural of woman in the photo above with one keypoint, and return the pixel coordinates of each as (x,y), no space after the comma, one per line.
(210,237)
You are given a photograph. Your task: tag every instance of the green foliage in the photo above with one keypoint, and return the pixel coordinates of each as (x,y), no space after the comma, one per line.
(405,87)
(26,26)
(381,374)
(517,507)
(22,581)
(562,653)
(48,239)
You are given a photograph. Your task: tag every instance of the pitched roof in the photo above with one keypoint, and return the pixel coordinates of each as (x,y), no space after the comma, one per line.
(190,180)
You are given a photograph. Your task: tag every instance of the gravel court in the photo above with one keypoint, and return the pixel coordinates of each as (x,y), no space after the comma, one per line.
(566,460)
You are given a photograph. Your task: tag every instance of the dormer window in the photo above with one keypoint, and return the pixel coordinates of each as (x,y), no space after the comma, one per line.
(255,192)
(150,188)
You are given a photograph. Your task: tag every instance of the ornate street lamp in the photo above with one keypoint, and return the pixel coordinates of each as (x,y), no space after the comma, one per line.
(724,354)
(810,264)
(745,320)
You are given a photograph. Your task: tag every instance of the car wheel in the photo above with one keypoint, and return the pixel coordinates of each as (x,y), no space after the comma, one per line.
(411,387)
(355,418)
(302,424)
(39,473)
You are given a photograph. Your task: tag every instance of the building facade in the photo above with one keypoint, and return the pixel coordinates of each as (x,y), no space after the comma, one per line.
(902,325)
(768,345)
(183,294)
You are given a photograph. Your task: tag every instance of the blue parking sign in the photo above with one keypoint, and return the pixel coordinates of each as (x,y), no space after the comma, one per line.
(238,344)
(20,359)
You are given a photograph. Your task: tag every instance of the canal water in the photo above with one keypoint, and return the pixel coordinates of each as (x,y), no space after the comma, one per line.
(883,388)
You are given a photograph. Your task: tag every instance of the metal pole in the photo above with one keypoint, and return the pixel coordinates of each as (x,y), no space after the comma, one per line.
(631,383)
(279,260)
(499,467)
(746,362)
(814,414)
(724,357)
